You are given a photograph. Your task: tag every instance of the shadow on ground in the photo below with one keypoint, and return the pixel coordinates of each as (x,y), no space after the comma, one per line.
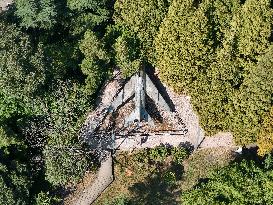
(158,188)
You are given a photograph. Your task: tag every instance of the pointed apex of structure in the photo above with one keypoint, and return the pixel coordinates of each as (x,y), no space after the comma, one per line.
(139,87)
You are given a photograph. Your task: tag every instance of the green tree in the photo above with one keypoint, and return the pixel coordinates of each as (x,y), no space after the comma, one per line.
(253,70)
(36,14)
(66,160)
(188,39)
(22,69)
(89,14)
(187,45)
(14,184)
(95,65)
(14,178)
(127,54)
(143,18)
(240,183)
(265,138)
(213,51)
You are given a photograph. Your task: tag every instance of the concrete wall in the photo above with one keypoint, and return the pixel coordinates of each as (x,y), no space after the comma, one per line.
(152,140)
(153,92)
(127,91)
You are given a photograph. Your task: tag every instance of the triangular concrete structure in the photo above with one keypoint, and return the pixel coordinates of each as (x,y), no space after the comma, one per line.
(138,87)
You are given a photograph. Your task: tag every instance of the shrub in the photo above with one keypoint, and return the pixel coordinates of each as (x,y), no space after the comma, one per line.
(158,154)
(240,183)
(169,178)
(178,154)
(44,198)
(120,200)
(161,153)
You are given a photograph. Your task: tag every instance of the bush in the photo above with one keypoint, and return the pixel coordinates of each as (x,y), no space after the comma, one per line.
(160,153)
(240,183)
(169,178)
(120,200)
(45,199)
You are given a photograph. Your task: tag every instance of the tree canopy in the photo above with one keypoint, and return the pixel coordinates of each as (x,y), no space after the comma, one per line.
(212,52)
(240,183)
(56,55)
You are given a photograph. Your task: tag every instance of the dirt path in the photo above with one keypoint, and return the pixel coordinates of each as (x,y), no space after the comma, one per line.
(104,178)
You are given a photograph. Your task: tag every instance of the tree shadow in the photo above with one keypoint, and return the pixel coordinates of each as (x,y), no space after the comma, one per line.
(150,70)
(249,153)
(158,188)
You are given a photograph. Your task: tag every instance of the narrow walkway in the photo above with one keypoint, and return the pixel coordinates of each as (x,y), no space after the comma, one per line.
(104,178)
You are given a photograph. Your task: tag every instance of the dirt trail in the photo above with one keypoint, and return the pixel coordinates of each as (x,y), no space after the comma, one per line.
(104,178)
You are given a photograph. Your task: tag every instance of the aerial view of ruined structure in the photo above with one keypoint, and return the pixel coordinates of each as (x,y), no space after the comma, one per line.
(136,102)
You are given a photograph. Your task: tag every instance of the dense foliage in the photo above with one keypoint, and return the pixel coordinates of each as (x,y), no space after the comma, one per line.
(43,95)
(56,55)
(36,14)
(215,52)
(265,139)
(246,182)
(14,178)
(142,18)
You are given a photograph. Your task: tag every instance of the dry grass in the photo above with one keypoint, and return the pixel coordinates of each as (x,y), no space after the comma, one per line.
(202,162)
(128,171)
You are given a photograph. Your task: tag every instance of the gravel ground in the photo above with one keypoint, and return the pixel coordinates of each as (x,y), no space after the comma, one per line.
(4,4)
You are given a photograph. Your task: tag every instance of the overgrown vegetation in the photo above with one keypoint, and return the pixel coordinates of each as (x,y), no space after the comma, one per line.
(216,53)
(246,182)
(148,176)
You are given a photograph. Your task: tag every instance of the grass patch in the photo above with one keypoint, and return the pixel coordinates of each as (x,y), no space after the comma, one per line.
(146,176)
(202,162)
